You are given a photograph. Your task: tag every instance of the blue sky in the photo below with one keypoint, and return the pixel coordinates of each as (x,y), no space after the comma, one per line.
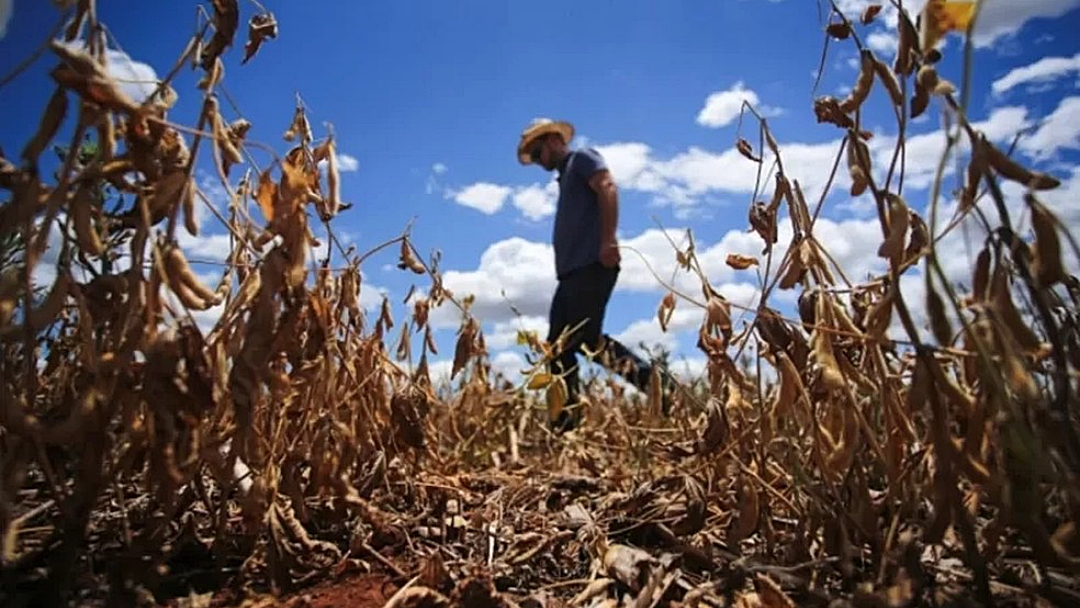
(428,98)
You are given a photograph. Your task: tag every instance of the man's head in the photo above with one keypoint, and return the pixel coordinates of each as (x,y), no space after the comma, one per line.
(545,143)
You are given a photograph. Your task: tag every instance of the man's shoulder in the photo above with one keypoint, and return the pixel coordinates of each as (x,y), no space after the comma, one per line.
(589,160)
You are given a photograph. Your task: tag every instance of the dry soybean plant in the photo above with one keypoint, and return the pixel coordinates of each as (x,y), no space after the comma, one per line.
(144,456)
(121,418)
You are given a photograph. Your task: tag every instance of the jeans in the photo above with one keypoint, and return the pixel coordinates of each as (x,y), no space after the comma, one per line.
(581,298)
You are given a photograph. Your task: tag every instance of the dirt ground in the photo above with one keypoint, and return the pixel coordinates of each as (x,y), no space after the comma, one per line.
(352,591)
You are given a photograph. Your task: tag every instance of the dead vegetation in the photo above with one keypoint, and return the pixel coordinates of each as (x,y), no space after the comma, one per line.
(144,460)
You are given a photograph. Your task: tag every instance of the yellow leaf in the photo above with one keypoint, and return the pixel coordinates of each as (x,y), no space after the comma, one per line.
(539,381)
(958,14)
(940,17)
(556,398)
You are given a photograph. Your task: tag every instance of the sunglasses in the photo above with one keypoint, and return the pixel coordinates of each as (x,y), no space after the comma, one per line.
(535,154)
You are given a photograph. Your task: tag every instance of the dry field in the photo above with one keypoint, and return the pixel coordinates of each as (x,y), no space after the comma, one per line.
(298,454)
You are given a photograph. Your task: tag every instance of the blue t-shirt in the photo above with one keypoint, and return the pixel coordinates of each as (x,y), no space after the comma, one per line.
(576,233)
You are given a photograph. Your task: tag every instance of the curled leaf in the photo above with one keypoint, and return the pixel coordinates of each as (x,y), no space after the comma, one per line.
(839,30)
(666,309)
(266,194)
(869,13)
(746,150)
(226,22)
(739,261)
(260,28)
(407,260)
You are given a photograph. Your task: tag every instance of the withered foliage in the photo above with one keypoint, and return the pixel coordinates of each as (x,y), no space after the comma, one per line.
(847,453)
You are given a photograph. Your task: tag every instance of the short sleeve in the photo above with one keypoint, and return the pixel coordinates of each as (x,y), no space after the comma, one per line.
(588,161)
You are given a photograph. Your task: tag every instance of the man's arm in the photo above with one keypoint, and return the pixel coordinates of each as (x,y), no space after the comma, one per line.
(607,197)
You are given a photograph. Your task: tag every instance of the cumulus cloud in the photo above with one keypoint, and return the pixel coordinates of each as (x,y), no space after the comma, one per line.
(1059,131)
(485,197)
(723,107)
(137,79)
(996,20)
(535,201)
(347,163)
(1044,70)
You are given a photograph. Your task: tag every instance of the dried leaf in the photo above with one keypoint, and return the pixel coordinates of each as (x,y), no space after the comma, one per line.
(749,511)
(666,309)
(629,565)
(266,195)
(869,13)
(261,27)
(772,596)
(718,316)
(556,398)
(920,237)
(797,267)
(465,347)
(746,150)
(226,22)
(839,30)
(763,221)
(406,259)
(739,261)
(716,430)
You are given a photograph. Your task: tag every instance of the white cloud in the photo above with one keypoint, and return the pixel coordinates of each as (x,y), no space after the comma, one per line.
(438,168)
(522,270)
(883,42)
(1044,70)
(536,202)
(347,163)
(997,18)
(484,197)
(1060,130)
(509,364)
(923,151)
(723,107)
(1002,18)
(503,334)
(137,79)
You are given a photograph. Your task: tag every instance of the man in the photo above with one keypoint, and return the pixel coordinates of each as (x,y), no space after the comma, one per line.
(587,260)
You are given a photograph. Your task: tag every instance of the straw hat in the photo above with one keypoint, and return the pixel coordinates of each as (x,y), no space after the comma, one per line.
(539,128)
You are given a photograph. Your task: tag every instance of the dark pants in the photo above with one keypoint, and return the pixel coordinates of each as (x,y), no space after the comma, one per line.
(580,302)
